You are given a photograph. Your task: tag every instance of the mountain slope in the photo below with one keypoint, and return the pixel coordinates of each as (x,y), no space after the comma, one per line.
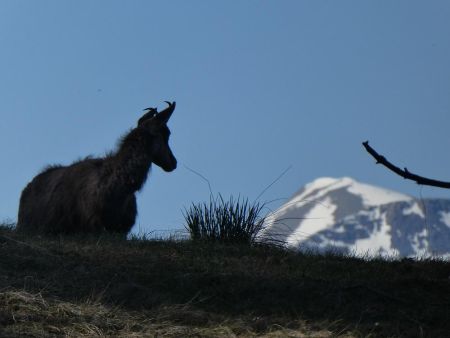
(351,216)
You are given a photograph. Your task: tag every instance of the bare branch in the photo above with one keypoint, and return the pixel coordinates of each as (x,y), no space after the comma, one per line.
(405,173)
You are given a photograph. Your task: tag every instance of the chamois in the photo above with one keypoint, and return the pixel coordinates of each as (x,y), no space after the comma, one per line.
(98,194)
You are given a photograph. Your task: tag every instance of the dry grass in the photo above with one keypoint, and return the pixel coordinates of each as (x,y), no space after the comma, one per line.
(94,287)
(26,314)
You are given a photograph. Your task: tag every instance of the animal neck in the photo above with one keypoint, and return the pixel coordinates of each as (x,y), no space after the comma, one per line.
(129,166)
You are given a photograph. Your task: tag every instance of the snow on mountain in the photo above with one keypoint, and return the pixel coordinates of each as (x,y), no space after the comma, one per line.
(347,215)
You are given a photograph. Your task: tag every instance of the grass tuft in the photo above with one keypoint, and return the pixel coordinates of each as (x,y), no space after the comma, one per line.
(229,221)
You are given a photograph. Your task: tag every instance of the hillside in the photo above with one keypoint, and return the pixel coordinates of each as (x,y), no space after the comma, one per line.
(105,286)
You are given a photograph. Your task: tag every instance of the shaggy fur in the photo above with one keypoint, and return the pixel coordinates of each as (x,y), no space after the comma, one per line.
(98,194)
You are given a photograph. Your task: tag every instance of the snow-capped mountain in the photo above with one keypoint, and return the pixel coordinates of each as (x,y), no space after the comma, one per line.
(347,215)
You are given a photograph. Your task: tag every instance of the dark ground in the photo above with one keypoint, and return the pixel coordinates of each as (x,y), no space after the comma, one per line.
(106,286)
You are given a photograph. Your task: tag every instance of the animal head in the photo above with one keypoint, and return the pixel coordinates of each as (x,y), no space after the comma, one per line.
(156,124)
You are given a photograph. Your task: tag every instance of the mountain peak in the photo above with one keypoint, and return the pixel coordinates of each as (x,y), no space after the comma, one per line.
(346,214)
(371,195)
(322,182)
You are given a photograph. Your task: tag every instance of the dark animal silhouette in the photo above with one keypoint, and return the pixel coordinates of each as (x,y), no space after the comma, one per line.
(98,194)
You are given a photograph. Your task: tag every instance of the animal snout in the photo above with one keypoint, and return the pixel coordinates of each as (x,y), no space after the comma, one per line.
(171,166)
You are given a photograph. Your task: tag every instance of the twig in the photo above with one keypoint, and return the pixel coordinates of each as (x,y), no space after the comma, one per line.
(405,173)
(273,182)
(201,176)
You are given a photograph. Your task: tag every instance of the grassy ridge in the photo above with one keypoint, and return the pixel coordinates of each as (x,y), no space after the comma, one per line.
(106,286)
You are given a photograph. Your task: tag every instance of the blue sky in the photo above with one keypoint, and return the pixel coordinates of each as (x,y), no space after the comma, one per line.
(260,86)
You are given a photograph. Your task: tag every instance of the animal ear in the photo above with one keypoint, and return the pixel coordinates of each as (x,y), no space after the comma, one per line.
(164,116)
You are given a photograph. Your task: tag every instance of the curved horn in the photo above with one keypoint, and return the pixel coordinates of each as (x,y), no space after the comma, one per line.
(164,116)
(151,112)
